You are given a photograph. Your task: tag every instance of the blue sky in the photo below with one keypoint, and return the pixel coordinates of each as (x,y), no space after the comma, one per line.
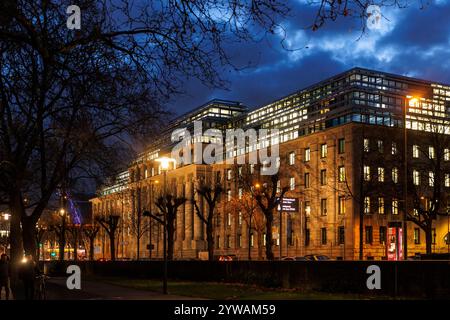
(412,41)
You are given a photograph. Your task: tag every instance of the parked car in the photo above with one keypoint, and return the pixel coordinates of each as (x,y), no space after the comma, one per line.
(294,258)
(316,257)
(288,259)
(301,259)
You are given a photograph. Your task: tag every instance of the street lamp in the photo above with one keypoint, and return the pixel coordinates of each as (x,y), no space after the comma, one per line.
(165,164)
(410,101)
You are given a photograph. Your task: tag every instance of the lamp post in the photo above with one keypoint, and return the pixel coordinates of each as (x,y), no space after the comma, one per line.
(152,183)
(409,101)
(165,164)
(62,241)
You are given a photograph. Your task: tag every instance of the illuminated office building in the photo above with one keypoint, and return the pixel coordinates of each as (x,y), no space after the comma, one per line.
(341,154)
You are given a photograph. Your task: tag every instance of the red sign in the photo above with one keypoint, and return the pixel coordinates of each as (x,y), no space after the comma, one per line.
(395,244)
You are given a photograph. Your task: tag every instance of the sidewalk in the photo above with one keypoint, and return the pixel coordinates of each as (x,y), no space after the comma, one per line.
(92,290)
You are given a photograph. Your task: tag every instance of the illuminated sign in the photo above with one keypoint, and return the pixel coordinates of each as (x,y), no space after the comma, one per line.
(288,205)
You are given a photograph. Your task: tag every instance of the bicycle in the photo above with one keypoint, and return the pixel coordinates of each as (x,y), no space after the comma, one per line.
(40,292)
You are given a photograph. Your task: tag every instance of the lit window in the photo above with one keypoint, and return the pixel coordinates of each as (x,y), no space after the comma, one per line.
(395,175)
(240,218)
(307,208)
(229,174)
(240,193)
(292,183)
(229,219)
(394,149)
(416,177)
(366,145)
(307,154)
(341,174)
(380,174)
(229,195)
(416,236)
(431,178)
(367,205)
(446,154)
(341,205)
(323,150)
(380,146)
(394,206)
(380,205)
(431,153)
(292,158)
(415,151)
(447,180)
(366,173)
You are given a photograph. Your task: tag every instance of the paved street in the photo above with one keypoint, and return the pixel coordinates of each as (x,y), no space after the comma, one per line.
(90,290)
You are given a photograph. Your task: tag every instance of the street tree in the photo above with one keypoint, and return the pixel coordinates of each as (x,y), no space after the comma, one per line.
(168,206)
(254,219)
(207,195)
(428,181)
(268,192)
(90,231)
(110,225)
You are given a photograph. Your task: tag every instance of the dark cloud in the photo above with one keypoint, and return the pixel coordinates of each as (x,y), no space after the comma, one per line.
(417,45)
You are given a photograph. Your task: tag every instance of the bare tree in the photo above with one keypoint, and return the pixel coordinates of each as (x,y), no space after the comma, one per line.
(91,231)
(268,196)
(41,232)
(210,193)
(110,225)
(68,98)
(75,231)
(253,217)
(427,181)
(168,207)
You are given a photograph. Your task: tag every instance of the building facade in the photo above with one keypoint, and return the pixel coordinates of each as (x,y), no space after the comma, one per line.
(341,156)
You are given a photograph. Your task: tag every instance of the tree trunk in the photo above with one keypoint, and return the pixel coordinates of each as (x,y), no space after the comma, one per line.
(91,249)
(210,239)
(170,240)
(75,246)
(15,229)
(429,240)
(62,245)
(112,246)
(260,245)
(15,238)
(269,240)
(29,236)
(138,245)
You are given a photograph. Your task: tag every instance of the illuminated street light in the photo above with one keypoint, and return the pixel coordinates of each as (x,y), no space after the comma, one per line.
(165,162)
(62,211)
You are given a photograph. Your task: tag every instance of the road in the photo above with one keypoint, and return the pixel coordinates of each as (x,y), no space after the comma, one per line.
(92,290)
